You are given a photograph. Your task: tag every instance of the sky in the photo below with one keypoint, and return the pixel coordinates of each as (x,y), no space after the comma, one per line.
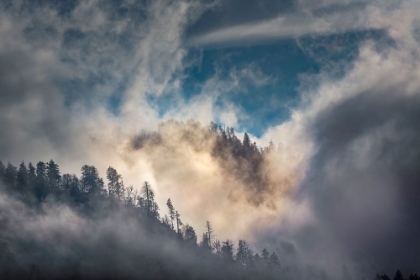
(335,85)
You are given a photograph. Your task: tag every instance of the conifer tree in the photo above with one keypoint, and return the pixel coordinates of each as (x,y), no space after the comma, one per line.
(265,256)
(40,189)
(189,234)
(10,176)
(398,275)
(53,175)
(31,176)
(115,183)
(178,222)
(246,142)
(171,212)
(227,251)
(274,262)
(209,233)
(244,255)
(22,178)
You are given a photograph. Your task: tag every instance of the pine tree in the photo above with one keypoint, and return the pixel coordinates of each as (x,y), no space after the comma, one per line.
(265,256)
(115,183)
(227,251)
(22,178)
(398,275)
(189,234)
(209,233)
(31,176)
(10,176)
(178,222)
(244,255)
(171,212)
(217,245)
(148,202)
(41,181)
(274,262)
(205,242)
(246,142)
(257,262)
(53,175)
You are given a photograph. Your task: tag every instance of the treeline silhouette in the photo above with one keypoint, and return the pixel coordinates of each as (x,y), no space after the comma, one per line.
(35,184)
(107,230)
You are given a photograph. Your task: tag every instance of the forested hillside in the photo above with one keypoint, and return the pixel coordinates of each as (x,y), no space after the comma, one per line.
(65,226)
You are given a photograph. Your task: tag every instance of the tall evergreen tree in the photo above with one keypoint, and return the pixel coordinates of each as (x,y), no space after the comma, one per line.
(40,189)
(246,142)
(274,262)
(217,246)
(398,275)
(53,176)
(205,244)
(227,251)
(115,183)
(209,233)
(171,211)
(265,256)
(178,222)
(31,176)
(22,178)
(258,262)
(189,234)
(244,255)
(10,176)
(148,201)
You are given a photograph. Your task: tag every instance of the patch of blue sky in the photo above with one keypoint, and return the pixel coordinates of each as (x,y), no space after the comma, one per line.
(265,103)
(282,62)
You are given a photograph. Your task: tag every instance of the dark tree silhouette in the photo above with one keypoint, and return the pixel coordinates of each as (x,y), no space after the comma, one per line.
(227,251)
(274,262)
(22,178)
(24,257)
(115,183)
(31,176)
(171,211)
(244,255)
(398,275)
(189,234)
(265,256)
(10,176)
(53,176)
(209,233)
(41,190)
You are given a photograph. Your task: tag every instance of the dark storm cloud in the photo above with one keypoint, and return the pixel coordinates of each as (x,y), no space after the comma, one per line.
(29,105)
(364,180)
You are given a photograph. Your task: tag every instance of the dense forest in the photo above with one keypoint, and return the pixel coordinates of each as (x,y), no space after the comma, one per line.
(64,226)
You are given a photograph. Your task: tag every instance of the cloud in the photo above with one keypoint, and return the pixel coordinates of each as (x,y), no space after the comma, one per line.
(305,21)
(189,160)
(359,134)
